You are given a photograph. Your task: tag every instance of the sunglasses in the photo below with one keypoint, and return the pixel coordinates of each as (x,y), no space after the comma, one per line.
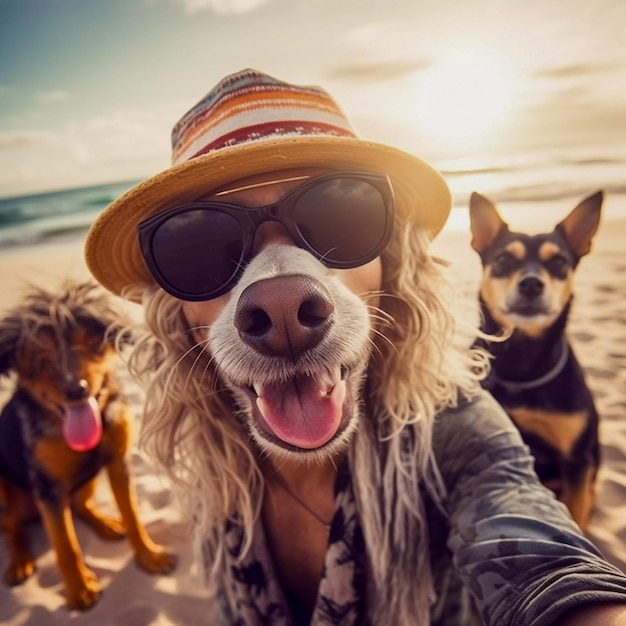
(198,250)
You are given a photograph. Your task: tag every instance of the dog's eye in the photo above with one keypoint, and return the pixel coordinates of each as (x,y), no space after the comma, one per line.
(504,263)
(557,266)
(38,366)
(96,348)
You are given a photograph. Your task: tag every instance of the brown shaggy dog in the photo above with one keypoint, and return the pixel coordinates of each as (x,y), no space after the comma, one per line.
(64,422)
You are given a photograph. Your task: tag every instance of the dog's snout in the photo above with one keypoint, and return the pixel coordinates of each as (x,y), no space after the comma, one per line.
(284,316)
(531,286)
(76,390)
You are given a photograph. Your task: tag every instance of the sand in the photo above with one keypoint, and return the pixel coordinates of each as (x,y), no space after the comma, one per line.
(134,598)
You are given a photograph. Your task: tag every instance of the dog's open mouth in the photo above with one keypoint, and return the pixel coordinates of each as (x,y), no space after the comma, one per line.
(304,411)
(82,425)
(527,307)
(527,310)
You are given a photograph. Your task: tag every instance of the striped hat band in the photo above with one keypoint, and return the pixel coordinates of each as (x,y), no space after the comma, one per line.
(250,106)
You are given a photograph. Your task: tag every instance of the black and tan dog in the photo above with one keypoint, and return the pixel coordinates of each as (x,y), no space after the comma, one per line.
(65,422)
(527,291)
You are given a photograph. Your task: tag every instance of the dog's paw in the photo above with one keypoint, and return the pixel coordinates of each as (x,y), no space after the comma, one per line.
(18,571)
(84,594)
(157,561)
(108,528)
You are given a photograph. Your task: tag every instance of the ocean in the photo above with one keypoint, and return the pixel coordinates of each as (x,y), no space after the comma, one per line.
(527,191)
(38,217)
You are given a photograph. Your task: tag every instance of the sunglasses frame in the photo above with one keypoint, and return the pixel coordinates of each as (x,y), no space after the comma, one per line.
(250,218)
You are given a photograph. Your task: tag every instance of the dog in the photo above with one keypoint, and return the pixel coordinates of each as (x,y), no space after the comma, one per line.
(258,343)
(65,421)
(526,293)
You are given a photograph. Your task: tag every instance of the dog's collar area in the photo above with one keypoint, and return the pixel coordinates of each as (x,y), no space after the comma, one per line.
(515,386)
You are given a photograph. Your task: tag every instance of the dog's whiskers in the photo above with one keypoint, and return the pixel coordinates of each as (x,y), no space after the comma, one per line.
(375,346)
(203,349)
(384,319)
(179,361)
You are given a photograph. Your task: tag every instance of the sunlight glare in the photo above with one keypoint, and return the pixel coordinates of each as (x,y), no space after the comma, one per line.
(465,96)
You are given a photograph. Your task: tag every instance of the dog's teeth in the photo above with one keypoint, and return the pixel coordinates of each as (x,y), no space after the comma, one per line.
(338,392)
(258,389)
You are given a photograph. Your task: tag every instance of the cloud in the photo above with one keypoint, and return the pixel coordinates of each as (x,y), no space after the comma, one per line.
(378,71)
(221,7)
(50,97)
(375,51)
(575,70)
(124,145)
(18,139)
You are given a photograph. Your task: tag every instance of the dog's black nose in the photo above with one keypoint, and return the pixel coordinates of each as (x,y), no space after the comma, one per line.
(284,316)
(77,390)
(530,286)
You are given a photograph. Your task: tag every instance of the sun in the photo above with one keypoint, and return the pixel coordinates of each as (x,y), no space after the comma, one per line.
(464,96)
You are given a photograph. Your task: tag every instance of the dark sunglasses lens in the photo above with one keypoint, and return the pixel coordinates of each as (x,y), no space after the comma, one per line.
(198,251)
(344,220)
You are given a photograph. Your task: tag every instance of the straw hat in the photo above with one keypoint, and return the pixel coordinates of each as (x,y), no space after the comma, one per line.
(249,124)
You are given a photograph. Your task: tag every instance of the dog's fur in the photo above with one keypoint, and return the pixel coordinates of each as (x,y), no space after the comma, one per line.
(526,292)
(400,366)
(60,346)
(328,349)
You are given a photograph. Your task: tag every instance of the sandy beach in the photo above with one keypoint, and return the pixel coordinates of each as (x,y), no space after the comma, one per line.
(133,598)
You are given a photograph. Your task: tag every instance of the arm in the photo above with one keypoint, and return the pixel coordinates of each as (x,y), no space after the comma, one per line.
(515,547)
(598,615)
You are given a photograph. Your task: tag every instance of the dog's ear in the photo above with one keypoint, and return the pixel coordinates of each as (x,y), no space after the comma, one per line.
(10,328)
(581,224)
(119,335)
(485,222)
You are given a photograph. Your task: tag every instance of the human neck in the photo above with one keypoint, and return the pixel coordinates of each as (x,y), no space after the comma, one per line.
(302,476)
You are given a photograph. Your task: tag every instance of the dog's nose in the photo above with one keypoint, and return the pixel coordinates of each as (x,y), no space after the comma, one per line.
(284,316)
(77,390)
(530,286)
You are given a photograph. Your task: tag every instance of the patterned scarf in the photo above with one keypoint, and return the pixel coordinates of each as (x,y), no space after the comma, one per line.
(255,597)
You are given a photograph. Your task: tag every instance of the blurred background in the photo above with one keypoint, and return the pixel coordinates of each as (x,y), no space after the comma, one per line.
(522,100)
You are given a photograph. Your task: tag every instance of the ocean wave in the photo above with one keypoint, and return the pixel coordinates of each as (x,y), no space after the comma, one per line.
(102,201)
(33,218)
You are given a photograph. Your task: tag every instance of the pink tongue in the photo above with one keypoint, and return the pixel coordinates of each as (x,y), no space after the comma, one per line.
(82,426)
(301,412)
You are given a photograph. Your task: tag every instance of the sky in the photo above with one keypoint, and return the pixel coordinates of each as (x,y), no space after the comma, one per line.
(90,89)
